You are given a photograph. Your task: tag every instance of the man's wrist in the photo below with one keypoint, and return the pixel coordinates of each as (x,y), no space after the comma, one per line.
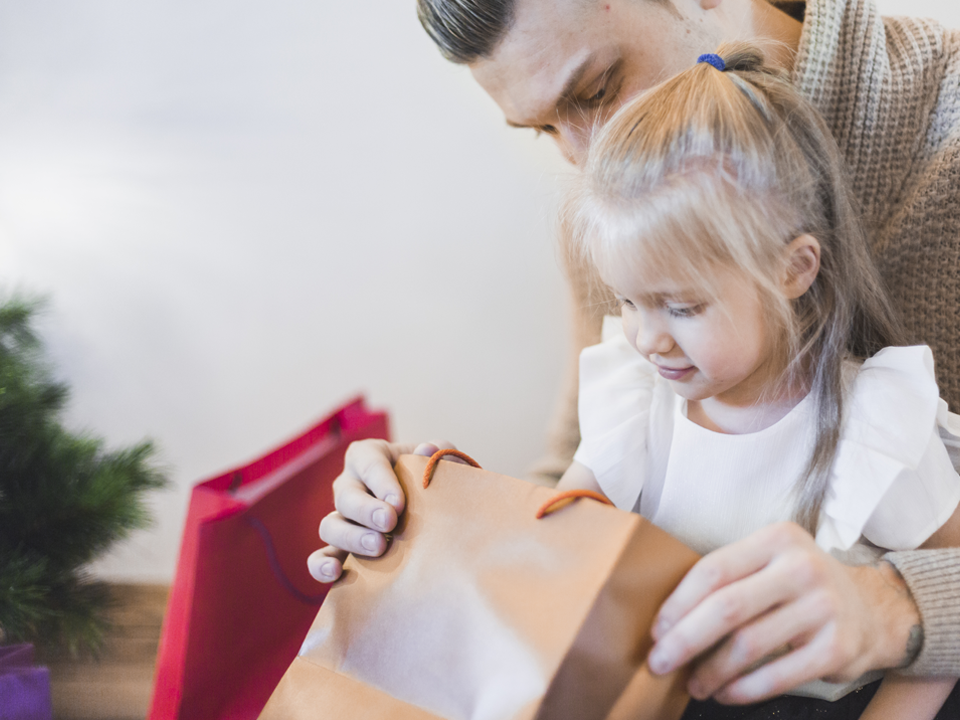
(899,617)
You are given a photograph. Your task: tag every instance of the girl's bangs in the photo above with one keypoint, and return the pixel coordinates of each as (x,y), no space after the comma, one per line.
(682,231)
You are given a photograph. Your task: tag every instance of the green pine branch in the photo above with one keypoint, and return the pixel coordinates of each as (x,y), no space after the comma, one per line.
(64,499)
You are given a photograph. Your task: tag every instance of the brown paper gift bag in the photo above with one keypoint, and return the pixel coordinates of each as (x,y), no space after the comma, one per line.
(480,611)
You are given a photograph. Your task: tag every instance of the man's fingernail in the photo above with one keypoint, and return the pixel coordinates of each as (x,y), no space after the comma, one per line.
(380,518)
(658,661)
(392,501)
(369,542)
(660,629)
(695,690)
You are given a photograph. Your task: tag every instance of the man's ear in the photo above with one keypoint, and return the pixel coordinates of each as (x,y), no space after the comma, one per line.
(802,266)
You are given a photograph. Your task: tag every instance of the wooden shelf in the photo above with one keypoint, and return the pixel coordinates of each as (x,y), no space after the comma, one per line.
(118,685)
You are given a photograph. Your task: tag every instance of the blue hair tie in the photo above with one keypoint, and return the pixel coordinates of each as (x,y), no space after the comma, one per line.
(713,59)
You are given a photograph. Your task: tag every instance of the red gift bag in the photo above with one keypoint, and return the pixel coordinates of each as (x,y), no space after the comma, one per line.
(242,599)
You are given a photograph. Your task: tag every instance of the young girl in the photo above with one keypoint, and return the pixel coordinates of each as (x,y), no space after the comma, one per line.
(758,376)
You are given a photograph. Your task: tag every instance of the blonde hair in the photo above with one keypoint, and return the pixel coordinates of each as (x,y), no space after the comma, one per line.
(716,168)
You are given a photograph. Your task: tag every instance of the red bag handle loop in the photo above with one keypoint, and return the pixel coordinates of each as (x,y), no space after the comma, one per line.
(435,458)
(566,497)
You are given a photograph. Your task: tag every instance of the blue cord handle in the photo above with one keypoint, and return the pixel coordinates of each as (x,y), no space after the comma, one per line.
(277,569)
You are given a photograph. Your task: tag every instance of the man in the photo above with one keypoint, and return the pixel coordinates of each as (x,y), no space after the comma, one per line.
(889,91)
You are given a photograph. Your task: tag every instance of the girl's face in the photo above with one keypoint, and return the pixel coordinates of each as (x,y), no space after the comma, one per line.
(713,349)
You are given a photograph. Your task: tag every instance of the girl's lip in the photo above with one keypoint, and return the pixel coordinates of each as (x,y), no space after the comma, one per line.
(674,373)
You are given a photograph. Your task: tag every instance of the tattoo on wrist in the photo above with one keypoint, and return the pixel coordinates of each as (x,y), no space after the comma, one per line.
(914,643)
(892,576)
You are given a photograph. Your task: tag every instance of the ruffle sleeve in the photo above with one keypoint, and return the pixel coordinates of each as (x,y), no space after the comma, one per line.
(892,480)
(616,390)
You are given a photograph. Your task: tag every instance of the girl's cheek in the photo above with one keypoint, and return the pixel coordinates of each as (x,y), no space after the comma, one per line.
(630,326)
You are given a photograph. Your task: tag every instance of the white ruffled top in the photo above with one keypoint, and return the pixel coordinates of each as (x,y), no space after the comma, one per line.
(893,481)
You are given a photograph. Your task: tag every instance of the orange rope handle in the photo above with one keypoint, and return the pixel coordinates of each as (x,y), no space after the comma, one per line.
(435,458)
(568,496)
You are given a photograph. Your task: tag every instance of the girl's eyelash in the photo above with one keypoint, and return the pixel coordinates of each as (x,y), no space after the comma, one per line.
(680,311)
(685,311)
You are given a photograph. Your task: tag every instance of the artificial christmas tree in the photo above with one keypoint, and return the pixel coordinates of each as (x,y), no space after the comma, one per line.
(64,500)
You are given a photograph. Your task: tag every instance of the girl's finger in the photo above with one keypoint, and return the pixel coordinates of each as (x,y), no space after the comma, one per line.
(429,448)
(355,504)
(345,535)
(326,564)
(369,463)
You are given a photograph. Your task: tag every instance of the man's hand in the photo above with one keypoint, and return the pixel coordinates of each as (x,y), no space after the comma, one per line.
(368,500)
(775,593)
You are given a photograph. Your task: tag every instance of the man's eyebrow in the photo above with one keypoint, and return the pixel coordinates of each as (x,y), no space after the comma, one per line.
(569,87)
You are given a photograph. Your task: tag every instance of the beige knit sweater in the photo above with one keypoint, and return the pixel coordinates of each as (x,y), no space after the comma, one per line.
(890,90)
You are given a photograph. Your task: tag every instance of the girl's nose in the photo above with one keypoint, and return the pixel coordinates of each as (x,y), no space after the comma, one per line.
(653,338)
(573,142)
(573,138)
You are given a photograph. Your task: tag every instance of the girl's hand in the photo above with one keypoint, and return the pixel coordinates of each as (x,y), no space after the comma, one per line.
(368,499)
(777,593)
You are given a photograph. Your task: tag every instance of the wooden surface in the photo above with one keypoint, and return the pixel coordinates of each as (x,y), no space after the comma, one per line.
(118,685)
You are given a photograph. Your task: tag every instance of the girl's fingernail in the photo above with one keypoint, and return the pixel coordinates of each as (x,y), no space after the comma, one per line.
(392,501)
(369,542)
(327,569)
(380,518)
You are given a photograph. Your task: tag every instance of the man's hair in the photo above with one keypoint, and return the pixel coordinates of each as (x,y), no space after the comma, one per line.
(465,30)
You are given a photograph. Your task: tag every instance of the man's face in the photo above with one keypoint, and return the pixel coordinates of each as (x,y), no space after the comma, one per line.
(565,66)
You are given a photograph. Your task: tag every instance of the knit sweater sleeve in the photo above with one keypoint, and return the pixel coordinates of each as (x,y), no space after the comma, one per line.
(933,577)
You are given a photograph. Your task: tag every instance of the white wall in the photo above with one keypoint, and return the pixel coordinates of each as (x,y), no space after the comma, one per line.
(946,11)
(244,213)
